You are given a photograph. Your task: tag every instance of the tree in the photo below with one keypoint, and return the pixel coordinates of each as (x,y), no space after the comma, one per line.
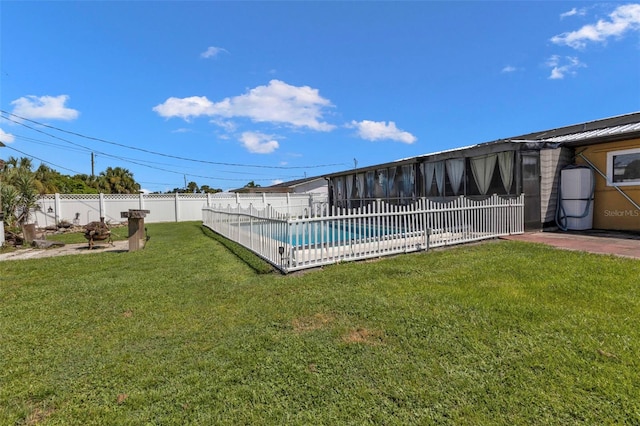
(116,180)
(9,198)
(27,195)
(208,190)
(90,182)
(252,184)
(46,180)
(18,191)
(192,187)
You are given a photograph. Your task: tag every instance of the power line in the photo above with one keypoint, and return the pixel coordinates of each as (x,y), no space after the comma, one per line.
(41,160)
(162,154)
(126,159)
(140,164)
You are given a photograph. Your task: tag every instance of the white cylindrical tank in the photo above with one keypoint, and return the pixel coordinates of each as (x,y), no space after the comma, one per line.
(576,189)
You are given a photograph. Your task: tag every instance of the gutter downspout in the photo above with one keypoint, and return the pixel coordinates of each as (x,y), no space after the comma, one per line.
(581,155)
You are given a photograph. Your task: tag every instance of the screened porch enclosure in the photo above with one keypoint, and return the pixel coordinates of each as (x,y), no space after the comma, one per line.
(477,177)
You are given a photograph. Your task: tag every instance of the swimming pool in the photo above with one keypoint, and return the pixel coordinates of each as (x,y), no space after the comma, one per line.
(312,233)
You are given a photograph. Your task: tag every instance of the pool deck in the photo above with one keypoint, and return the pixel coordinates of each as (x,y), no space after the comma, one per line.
(593,241)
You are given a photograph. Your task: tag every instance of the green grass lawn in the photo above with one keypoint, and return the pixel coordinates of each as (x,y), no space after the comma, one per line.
(185,332)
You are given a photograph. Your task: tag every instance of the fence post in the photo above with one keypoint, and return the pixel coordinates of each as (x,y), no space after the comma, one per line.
(176,209)
(101,207)
(425,224)
(251,225)
(288,206)
(56,207)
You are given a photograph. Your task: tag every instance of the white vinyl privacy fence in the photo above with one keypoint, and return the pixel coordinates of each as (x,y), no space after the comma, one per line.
(292,242)
(81,209)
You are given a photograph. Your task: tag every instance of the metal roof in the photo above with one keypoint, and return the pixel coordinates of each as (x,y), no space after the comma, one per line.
(607,131)
(617,124)
(592,132)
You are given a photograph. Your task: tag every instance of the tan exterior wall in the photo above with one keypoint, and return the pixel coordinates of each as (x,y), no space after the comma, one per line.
(611,210)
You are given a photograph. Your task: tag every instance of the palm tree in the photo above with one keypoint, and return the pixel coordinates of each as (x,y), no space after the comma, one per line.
(27,195)
(117,180)
(46,180)
(192,187)
(17,185)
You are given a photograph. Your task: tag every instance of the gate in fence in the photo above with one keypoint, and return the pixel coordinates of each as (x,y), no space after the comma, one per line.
(323,236)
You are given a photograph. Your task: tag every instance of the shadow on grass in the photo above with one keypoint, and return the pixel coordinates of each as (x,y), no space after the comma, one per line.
(252,260)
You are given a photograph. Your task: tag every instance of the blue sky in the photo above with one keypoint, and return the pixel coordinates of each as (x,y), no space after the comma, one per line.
(222,93)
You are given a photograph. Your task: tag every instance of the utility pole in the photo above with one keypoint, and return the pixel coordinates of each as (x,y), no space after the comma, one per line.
(1,214)
(93,164)
(355,163)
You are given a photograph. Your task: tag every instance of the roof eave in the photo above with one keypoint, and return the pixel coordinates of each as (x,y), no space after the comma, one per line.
(601,139)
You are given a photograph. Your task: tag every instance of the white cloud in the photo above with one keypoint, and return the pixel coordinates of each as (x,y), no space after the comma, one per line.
(560,67)
(6,137)
(277,182)
(622,20)
(212,52)
(573,12)
(278,103)
(259,143)
(184,108)
(44,107)
(227,125)
(509,69)
(380,130)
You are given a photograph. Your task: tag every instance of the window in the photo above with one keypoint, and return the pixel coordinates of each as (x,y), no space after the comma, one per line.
(623,167)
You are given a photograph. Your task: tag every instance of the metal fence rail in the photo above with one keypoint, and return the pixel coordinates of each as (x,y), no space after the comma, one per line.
(294,242)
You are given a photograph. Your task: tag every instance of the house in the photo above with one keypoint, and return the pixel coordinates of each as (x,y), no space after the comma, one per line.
(532,164)
(311,185)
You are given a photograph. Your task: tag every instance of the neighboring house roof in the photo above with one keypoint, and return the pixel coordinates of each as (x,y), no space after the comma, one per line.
(297,182)
(280,187)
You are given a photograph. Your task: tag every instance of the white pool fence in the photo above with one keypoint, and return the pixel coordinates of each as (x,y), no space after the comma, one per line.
(314,235)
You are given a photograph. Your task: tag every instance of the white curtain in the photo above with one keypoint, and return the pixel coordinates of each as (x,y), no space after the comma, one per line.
(339,189)
(391,181)
(360,185)
(382,183)
(349,184)
(440,177)
(455,170)
(505,161)
(427,172)
(371,183)
(408,180)
(482,168)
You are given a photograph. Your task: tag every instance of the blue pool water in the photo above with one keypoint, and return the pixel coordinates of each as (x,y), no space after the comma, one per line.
(309,234)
